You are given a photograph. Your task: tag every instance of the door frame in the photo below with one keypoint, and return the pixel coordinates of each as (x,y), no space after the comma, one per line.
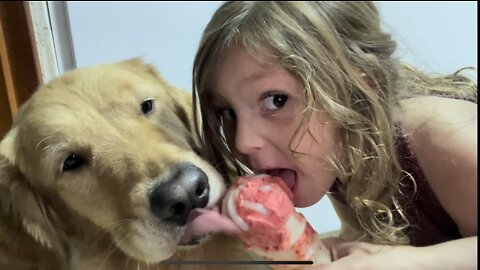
(35,47)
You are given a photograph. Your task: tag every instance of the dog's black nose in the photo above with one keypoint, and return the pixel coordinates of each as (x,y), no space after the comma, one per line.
(184,189)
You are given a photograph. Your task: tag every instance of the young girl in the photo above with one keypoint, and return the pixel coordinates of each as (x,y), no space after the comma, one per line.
(309,91)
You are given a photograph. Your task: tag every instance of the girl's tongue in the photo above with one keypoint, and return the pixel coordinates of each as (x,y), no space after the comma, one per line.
(288,176)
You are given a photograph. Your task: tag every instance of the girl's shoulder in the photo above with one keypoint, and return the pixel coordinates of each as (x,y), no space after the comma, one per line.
(440,127)
(442,133)
(430,113)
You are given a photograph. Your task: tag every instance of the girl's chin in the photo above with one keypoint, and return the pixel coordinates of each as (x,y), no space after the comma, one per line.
(302,202)
(305,197)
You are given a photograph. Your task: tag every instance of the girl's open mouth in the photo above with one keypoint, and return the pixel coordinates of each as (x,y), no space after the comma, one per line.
(287,175)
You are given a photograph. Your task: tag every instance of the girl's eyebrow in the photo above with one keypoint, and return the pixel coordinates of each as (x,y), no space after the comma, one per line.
(260,75)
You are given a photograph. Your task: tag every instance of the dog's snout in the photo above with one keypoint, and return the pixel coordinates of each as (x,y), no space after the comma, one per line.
(184,189)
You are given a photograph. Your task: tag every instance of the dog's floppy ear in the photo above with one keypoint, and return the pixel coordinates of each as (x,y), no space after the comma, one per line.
(182,100)
(22,209)
(183,108)
(184,111)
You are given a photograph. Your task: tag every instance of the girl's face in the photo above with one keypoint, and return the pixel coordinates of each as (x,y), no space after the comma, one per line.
(261,107)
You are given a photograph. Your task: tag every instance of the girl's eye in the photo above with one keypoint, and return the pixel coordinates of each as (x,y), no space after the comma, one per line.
(228,114)
(275,102)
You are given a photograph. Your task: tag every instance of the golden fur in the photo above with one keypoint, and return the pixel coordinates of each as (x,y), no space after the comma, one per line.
(97,216)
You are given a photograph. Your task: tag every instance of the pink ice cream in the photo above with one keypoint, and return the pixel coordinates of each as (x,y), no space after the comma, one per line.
(262,207)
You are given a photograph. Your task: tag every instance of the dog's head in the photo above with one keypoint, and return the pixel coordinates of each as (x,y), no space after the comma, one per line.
(106,149)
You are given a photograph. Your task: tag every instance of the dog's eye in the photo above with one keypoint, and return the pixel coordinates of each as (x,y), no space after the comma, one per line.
(147,106)
(72,162)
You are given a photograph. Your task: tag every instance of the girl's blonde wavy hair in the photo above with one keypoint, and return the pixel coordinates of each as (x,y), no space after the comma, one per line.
(344,60)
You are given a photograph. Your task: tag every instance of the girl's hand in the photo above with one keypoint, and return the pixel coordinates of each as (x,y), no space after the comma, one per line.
(357,255)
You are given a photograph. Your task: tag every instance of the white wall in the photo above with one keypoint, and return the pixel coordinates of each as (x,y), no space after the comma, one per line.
(166,34)
(437,36)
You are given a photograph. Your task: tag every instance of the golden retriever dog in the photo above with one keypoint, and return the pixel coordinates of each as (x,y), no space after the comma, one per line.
(100,170)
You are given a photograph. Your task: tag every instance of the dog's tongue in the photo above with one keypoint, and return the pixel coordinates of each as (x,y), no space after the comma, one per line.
(204,221)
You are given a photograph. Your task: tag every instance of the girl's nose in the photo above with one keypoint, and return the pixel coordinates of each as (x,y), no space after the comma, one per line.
(247,137)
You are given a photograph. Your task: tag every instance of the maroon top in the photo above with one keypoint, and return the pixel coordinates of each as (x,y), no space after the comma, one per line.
(429,222)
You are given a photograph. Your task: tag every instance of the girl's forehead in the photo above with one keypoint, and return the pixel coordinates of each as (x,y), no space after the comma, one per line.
(262,53)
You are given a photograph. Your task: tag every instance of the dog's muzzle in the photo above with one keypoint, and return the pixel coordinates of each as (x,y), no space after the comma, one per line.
(185,188)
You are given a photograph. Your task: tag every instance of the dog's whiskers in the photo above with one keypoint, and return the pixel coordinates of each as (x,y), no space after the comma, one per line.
(126,263)
(119,222)
(115,247)
(99,236)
